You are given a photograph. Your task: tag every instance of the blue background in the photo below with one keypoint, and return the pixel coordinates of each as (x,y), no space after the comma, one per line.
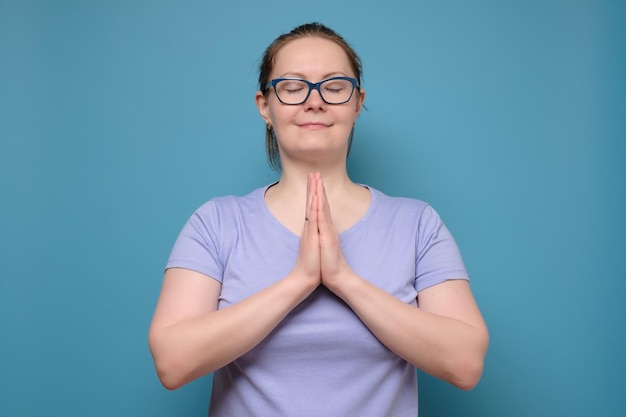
(119,118)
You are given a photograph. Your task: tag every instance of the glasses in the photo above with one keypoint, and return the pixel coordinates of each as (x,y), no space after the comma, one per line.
(335,90)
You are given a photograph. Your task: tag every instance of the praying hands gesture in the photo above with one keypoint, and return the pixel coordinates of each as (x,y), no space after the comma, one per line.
(320,258)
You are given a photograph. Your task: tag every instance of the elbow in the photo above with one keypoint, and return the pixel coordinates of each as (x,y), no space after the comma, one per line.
(168,371)
(175,369)
(169,368)
(466,375)
(169,378)
(462,371)
(466,370)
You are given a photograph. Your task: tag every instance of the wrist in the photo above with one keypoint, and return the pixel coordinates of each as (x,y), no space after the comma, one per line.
(343,284)
(301,283)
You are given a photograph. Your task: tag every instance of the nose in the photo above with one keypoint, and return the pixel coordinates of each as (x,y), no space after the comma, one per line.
(314,101)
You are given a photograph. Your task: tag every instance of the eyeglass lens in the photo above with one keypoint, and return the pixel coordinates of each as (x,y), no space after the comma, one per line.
(296,91)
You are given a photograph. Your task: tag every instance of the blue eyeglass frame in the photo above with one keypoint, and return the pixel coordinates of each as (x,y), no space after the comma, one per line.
(313,86)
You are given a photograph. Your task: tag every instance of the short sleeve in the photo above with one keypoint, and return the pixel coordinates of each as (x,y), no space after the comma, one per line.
(437,255)
(197,246)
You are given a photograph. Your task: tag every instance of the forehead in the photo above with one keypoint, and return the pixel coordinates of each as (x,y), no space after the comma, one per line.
(311,57)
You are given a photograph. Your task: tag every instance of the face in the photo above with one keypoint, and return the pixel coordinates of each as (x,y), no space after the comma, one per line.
(313,128)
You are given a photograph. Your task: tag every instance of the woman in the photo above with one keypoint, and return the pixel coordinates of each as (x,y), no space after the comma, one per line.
(315,296)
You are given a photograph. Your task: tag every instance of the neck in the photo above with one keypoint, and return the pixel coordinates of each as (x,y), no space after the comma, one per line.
(294,179)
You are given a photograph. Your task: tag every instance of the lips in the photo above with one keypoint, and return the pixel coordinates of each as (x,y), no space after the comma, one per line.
(313,125)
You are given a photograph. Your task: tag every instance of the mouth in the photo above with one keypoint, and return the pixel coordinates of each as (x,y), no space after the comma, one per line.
(313,126)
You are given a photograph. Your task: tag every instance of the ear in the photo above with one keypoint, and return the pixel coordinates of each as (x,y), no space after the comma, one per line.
(262,105)
(359,103)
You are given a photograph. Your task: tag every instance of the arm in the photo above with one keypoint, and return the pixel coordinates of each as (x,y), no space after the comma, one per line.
(445,336)
(189,337)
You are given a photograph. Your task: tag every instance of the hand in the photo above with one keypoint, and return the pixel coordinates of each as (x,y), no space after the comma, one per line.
(334,267)
(308,261)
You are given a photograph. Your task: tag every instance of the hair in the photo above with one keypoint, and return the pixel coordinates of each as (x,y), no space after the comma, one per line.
(314,29)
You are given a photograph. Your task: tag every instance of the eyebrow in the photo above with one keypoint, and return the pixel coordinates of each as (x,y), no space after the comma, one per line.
(299,75)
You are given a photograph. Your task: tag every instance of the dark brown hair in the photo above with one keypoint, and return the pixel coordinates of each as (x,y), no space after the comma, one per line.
(267,65)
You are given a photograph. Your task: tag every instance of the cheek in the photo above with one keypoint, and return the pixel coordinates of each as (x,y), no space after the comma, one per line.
(350,114)
(282,114)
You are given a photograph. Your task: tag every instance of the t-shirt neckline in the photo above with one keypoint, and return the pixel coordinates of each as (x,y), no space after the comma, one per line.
(260,196)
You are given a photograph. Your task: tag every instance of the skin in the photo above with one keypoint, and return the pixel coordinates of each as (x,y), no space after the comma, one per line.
(189,338)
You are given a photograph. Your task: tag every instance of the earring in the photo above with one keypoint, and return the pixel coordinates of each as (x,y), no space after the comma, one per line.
(268,126)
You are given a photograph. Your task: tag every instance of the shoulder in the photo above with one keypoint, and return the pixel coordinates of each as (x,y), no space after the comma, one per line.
(225,212)
(398,205)
(230,204)
(410,213)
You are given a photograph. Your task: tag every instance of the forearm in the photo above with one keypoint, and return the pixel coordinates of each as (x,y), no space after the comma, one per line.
(195,347)
(445,347)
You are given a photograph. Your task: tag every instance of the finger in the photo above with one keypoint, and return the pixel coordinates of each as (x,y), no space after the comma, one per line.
(324,222)
(308,190)
(313,213)
(310,186)
(310,218)
(319,184)
(324,215)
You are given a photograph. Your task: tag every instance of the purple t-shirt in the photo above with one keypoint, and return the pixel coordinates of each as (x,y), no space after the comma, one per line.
(320,360)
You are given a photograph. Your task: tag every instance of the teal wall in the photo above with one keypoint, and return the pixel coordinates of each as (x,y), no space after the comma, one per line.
(118,118)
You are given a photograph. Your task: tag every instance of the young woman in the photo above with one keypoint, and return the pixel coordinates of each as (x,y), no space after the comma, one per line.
(315,296)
